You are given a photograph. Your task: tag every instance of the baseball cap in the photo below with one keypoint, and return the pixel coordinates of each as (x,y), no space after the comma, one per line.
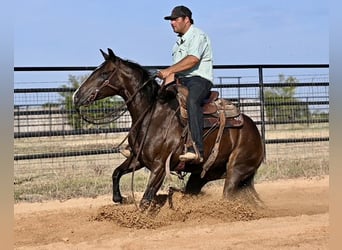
(179,11)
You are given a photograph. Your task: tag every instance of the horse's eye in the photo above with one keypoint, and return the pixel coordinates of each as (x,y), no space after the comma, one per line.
(104,74)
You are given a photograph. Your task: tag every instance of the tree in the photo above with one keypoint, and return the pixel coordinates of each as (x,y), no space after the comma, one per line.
(96,110)
(281,103)
(74,119)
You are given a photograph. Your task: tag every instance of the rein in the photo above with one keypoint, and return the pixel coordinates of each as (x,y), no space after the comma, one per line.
(92,98)
(106,83)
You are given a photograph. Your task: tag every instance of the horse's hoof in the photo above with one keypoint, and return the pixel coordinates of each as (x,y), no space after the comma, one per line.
(117,199)
(144,204)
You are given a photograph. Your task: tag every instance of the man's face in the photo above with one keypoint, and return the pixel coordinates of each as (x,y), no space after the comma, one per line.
(180,25)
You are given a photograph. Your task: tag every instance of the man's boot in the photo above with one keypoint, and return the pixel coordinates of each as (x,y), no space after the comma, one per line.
(191,155)
(126,151)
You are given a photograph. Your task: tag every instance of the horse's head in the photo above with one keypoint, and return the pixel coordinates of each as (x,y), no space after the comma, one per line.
(101,83)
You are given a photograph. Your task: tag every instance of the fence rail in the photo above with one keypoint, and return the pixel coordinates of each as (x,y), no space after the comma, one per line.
(255,103)
(155,67)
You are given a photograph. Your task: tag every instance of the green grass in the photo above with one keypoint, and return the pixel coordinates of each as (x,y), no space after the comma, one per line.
(62,189)
(66,186)
(90,176)
(292,169)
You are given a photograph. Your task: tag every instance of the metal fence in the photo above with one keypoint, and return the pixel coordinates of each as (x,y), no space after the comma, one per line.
(294,128)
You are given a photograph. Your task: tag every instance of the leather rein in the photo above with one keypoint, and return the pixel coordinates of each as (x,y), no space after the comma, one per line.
(106,83)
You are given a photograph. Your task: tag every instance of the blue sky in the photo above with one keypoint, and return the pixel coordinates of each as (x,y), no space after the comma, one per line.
(71,32)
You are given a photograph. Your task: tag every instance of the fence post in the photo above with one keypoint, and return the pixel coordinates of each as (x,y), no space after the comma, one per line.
(262,107)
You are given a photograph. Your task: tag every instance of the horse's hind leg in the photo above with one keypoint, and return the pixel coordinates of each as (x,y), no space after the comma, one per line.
(248,185)
(195,184)
(231,184)
(126,167)
(240,174)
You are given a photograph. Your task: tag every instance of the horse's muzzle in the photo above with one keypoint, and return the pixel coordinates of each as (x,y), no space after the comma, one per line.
(76,100)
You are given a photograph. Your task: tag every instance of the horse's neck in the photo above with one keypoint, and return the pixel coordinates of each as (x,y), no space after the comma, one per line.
(141,113)
(138,110)
(138,106)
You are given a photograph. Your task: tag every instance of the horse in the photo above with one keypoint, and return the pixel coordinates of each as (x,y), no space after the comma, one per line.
(157,134)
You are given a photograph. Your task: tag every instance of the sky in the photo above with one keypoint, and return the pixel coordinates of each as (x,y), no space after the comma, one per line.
(71,32)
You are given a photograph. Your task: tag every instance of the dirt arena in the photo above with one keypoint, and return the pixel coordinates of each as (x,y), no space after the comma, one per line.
(295,217)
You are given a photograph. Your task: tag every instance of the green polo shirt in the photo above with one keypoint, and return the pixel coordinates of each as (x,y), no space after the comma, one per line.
(195,42)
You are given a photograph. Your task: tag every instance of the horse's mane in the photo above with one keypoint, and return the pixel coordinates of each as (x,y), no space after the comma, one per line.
(136,66)
(152,87)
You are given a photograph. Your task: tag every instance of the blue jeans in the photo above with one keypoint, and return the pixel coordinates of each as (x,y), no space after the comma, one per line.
(199,89)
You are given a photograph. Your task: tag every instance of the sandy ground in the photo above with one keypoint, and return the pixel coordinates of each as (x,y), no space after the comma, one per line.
(295,216)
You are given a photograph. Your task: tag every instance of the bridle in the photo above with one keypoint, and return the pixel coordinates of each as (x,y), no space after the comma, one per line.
(150,108)
(106,83)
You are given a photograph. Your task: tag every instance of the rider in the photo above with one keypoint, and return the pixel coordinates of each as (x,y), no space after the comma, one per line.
(193,64)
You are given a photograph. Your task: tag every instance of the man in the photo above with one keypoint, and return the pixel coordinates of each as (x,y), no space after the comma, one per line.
(193,64)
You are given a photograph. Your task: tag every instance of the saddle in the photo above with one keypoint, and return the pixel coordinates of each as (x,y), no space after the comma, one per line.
(218,113)
(212,108)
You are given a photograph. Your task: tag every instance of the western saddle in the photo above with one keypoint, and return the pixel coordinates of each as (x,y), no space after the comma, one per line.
(212,108)
(218,113)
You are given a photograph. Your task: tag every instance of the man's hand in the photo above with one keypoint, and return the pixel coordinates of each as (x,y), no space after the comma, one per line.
(164,73)
(186,63)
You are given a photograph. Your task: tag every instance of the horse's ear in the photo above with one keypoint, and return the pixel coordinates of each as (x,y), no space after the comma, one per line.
(111,54)
(105,56)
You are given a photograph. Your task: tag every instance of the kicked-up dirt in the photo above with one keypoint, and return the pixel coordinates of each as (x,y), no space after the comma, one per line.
(294,216)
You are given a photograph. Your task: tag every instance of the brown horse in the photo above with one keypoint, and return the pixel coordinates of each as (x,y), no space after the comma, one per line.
(157,133)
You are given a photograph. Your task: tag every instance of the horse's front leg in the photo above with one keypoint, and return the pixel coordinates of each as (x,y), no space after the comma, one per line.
(155,181)
(126,167)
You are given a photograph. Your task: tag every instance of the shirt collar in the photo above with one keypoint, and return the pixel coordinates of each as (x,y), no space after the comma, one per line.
(186,36)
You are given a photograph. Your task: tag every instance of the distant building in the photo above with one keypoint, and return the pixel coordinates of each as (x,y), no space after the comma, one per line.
(34,119)
(252,108)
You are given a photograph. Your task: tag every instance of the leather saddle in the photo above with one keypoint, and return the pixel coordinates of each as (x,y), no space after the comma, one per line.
(218,113)
(212,107)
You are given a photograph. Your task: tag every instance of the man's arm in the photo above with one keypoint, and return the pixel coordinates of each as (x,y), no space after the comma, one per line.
(186,63)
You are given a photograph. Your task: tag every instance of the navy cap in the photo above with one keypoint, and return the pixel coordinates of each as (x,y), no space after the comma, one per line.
(179,11)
